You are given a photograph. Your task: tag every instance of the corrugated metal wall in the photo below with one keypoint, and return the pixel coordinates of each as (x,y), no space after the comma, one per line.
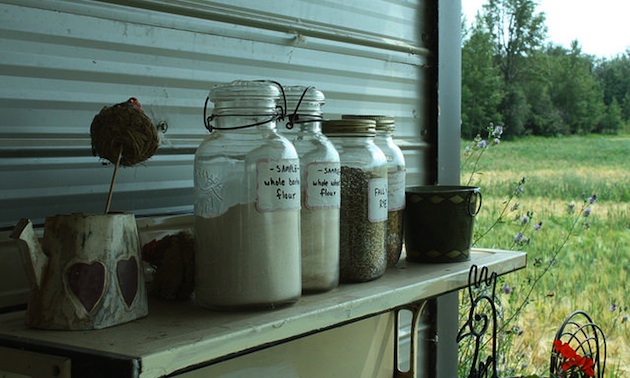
(62,61)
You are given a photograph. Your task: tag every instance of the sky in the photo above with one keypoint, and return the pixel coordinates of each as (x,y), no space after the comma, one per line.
(601,27)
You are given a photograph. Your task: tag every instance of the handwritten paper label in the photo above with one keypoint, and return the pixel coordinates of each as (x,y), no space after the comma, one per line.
(278,185)
(396,190)
(377,200)
(323,185)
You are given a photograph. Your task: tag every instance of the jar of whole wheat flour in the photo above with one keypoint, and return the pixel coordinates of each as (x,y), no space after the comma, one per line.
(247,202)
(321,188)
(363,199)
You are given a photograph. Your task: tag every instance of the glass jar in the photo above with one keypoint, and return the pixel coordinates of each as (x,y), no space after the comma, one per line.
(321,189)
(396,173)
(247,203)
(363,199)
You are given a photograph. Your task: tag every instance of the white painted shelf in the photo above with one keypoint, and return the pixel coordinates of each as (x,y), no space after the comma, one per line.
(179,335)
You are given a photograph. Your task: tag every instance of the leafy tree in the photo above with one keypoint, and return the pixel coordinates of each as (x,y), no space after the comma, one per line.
(510,78)
(612,121)
(614,77)
(575,93)
(518,32)
(543,118)
(481,83)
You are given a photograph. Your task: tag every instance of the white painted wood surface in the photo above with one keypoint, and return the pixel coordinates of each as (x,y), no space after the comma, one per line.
(178,335)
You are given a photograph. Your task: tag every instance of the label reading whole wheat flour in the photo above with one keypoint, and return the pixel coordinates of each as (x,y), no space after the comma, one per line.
(323,185)
(278,185)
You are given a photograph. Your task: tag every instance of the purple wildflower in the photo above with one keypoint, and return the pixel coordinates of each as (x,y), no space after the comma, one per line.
(524,220)
(538,226)
(520,238)
(496,141)
(517,330)
(520,187)
(482,144)
(587,212)
(506,289)
(498,131)
(592,199)
(613,307)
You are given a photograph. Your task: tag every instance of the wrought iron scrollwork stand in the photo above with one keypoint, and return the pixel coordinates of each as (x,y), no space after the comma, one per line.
(586,338)
(482,294)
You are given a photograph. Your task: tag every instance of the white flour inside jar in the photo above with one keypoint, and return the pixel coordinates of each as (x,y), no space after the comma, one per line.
(251,259)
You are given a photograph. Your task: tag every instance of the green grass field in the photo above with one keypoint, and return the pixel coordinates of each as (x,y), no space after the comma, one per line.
(588,257)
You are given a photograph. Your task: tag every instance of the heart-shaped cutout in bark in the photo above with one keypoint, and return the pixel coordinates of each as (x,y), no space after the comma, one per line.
(87,282)
(127,272)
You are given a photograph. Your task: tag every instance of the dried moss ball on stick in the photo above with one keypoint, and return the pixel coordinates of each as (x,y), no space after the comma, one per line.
(124,127)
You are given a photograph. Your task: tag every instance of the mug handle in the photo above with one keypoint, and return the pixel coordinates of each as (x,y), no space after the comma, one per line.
(473,211)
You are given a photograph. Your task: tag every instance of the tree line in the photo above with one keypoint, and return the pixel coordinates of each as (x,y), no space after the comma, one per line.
(510,76)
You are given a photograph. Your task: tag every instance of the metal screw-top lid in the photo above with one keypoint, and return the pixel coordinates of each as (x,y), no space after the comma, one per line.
(353,127)
(384,123)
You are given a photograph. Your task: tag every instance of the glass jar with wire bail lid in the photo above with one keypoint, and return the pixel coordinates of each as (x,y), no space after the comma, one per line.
(321,184)
(247,202)
(363,199)
(396,172)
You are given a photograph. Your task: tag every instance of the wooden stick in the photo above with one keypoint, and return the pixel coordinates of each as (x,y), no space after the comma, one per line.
(111,185)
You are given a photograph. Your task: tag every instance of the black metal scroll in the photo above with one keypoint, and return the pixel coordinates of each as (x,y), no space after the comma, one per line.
(482,319)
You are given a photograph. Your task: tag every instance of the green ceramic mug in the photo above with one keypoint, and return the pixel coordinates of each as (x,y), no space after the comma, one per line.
(439,222)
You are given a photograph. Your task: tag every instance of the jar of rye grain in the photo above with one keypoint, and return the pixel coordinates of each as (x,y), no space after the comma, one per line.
(247,202)
(363,199)
(395,183)
(321,188)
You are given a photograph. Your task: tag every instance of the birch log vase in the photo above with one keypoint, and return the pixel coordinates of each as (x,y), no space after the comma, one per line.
(92,278)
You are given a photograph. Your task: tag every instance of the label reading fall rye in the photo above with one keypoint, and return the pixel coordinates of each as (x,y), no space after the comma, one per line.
(278,185)
(377,200)
(323,185)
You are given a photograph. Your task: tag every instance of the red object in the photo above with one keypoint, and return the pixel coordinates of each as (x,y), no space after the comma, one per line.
(132,102)
(572,359)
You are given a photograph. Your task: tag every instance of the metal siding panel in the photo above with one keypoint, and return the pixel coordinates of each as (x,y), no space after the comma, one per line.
(62,61)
